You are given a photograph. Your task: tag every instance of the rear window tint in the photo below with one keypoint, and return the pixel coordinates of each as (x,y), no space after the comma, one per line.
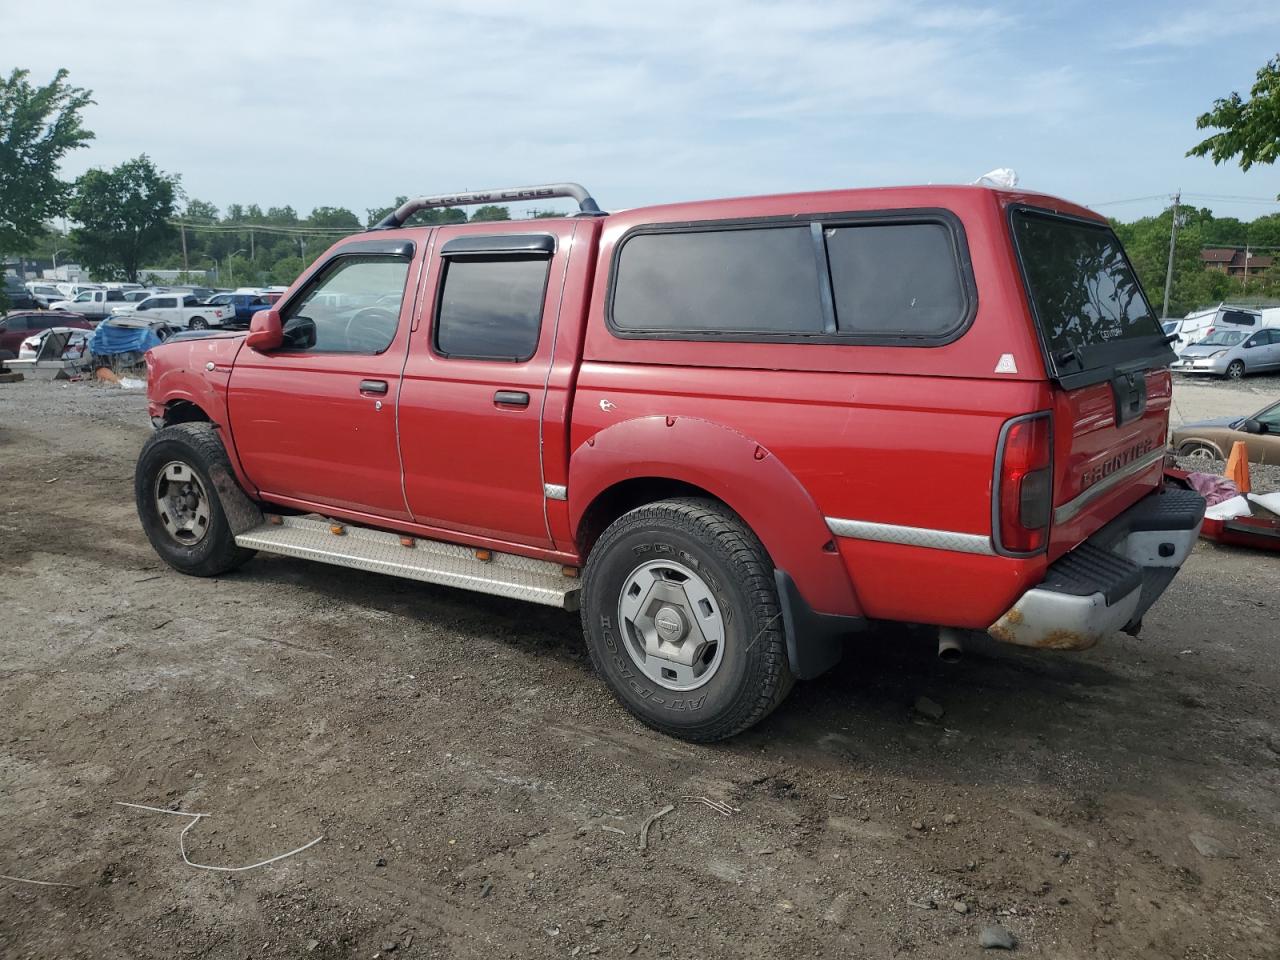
(491,307)
(1081,286)
(899,279)
(1239,317)
(743,281)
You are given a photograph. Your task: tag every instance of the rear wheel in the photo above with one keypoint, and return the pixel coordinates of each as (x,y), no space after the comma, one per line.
(1235,370)
(198,323)
(178,504)
(682,619)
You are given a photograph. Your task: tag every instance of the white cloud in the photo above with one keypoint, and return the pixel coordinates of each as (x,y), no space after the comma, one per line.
(1204,25)
(325,102)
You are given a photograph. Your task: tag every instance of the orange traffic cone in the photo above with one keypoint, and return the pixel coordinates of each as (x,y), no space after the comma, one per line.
(1238,466)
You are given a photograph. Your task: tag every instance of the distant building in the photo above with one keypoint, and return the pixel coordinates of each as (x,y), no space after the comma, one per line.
(1235,261)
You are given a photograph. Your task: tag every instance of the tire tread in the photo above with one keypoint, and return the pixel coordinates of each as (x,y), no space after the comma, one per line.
(723,532)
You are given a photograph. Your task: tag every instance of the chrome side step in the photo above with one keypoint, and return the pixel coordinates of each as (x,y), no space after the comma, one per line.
(431,561)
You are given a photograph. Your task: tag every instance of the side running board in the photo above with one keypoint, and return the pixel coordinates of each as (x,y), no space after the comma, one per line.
(431,561)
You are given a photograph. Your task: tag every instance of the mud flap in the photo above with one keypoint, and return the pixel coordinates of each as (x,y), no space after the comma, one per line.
(815,641)
(242,513)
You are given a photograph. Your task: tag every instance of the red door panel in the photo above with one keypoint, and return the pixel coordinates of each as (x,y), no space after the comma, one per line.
(304,430)
(471,437)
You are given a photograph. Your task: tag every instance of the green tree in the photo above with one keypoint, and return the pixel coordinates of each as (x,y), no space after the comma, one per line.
(38,127)
(123,217)
(285,270)
(375,214)
(490,212)
(339,218)
(201,211)
(1250,129)
(284,216)
(1265,231)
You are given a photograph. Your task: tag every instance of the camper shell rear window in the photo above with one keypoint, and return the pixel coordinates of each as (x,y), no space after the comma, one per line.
(1088,305)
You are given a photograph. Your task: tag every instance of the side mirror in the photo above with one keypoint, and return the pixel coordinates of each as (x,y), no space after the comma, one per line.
(1253,426)
(300,333)
(265,332)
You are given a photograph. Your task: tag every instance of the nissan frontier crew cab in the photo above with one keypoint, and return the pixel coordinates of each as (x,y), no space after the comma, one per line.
(733,433)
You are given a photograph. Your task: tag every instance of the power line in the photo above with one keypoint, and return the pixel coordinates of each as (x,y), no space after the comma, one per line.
(268,228)
(1226,198)
(1154,196)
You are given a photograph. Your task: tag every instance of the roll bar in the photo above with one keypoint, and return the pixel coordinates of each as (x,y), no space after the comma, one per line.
(586,205)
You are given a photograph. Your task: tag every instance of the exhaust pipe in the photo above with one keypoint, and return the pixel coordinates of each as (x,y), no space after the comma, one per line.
(950,649)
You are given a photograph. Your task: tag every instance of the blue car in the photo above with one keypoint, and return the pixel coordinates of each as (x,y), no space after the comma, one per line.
(246,304)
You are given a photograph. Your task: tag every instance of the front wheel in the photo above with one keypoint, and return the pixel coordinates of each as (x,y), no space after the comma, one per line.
(198,323)
(682,619)
(178,504)
(1235,370)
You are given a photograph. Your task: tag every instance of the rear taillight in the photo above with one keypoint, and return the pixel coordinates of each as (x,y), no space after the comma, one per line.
(1024,485)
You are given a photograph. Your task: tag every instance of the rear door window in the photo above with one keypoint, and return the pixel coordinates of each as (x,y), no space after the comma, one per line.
(491,307)
(1086,299)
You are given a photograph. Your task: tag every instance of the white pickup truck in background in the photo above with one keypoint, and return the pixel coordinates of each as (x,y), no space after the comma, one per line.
(92,304)
(180,310)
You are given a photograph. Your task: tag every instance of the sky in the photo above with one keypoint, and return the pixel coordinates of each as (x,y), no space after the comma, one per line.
(351,104)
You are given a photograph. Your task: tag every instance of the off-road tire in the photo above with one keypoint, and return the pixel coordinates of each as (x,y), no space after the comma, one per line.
(705,536)
(197,445)
(1235,370)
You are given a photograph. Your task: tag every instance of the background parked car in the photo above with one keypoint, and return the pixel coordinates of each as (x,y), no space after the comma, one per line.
(1198,324)
(44,294)
(16,327)
(244,304)
(76,347)
(179,311)
(1232,353)
(16,292)
(92,304)
(1213,439)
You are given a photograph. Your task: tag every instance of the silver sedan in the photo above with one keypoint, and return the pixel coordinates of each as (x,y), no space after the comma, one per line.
(1232,353)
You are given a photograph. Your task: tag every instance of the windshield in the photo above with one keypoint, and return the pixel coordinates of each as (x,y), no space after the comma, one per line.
(1222,338)
(1084,293)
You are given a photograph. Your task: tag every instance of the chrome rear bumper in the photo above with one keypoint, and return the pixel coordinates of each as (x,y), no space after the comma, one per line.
(1110,581)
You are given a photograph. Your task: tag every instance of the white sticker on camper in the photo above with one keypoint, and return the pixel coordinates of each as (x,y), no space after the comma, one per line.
(1006,364)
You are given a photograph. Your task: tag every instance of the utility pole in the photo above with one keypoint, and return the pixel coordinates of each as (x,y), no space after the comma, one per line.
(252,256)
(185,267)
(1173,239)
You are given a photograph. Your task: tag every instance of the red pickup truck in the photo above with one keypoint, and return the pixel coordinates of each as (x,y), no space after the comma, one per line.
(734,433)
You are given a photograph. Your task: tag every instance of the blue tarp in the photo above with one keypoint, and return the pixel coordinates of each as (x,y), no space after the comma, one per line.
(108,340)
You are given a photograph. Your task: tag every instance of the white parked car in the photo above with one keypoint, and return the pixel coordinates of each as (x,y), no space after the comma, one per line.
(70,291)
(177,310)
(1198,324)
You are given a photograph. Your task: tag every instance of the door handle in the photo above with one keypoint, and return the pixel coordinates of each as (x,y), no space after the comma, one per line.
(373,386)
(511,398)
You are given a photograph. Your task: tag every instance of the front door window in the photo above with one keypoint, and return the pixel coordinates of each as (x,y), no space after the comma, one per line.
(353,306)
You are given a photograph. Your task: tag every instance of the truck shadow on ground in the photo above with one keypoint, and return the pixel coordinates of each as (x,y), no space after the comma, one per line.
(1103,718)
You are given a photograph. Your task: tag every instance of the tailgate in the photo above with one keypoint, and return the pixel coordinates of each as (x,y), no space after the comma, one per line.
(1107,358)
(1103,464)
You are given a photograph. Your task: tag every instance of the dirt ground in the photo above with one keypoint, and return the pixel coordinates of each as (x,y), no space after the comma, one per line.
(479,794)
